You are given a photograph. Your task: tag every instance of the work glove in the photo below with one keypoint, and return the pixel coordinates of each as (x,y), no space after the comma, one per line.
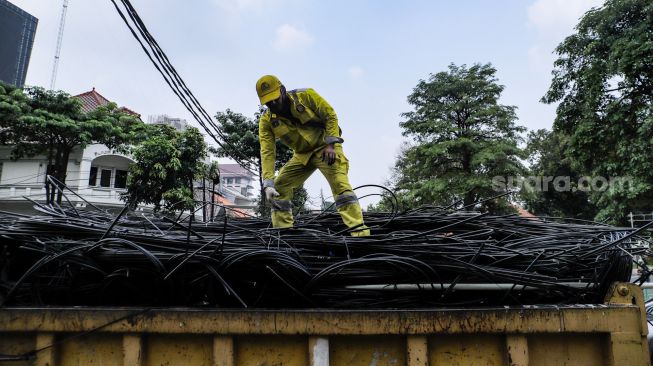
(329,154)
(270,193)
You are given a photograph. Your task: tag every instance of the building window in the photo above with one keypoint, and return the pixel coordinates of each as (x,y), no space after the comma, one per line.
(105,178)
(121,179)
(92,177)
(108,177)
(237,180)
(229,180)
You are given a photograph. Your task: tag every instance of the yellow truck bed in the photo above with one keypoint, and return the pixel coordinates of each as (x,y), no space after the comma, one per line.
(612,334)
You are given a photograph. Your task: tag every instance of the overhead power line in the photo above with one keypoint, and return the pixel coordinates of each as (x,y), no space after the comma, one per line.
(163,65)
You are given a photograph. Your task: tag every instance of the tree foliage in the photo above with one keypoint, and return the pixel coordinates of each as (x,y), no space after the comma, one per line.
(460,139)
(603,81)
(546,151)
(35,121)
(242,135)
(167,164)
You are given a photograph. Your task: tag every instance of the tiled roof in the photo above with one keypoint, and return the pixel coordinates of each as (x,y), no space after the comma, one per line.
(523,213)
(129,111)
(236,212)
(92,99)
(233,170)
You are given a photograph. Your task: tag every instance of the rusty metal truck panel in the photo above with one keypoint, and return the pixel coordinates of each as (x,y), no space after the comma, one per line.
(610,334)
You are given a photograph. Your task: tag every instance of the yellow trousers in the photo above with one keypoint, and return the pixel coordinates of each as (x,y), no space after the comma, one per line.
(294,173)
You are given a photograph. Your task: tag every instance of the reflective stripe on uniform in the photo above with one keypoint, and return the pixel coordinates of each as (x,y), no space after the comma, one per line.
(268,183)
(346,198)
(281,205)
(333,139)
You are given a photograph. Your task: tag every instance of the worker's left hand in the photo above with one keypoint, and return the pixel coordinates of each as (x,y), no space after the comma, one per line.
(270,193)
(329,154)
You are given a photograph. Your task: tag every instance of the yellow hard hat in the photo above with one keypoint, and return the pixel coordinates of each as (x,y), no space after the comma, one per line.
(268,88)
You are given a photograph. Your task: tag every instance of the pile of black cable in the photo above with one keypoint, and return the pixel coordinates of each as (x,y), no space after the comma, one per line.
(420,258)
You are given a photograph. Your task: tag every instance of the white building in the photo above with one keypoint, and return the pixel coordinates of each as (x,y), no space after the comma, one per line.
(99,175)
(96,173)
(236,188)
(235,178)
(179,124)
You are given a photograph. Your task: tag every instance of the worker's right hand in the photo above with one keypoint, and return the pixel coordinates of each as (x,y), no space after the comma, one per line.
(329,154)
(270,193)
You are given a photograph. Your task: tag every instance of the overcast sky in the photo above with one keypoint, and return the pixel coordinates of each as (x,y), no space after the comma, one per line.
(364,57)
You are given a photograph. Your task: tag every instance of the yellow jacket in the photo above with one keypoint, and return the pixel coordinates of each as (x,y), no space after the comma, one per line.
(315,126)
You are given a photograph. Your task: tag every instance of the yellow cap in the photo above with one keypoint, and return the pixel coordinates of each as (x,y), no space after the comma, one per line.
(268,88)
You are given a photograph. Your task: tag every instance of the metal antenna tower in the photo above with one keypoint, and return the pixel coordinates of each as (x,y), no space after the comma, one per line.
(62,22)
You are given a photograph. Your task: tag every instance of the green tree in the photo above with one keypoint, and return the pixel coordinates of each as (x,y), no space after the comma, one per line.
(460,139)
(167,165)
(546,151)
(242,135)
(35,121)
(603,81)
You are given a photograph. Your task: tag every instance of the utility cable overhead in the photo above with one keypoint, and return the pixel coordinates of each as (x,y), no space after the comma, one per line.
(161,56)
(170,75)
(174,80)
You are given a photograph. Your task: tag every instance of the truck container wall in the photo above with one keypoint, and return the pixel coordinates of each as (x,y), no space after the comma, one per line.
(610,334)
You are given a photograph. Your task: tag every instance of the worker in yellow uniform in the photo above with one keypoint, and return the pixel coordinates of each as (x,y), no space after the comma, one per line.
(306,123)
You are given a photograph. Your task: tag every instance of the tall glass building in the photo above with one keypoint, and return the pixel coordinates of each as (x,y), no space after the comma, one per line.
(17,30)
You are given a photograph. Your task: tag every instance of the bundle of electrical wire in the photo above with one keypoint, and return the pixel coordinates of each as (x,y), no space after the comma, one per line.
(419,258)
